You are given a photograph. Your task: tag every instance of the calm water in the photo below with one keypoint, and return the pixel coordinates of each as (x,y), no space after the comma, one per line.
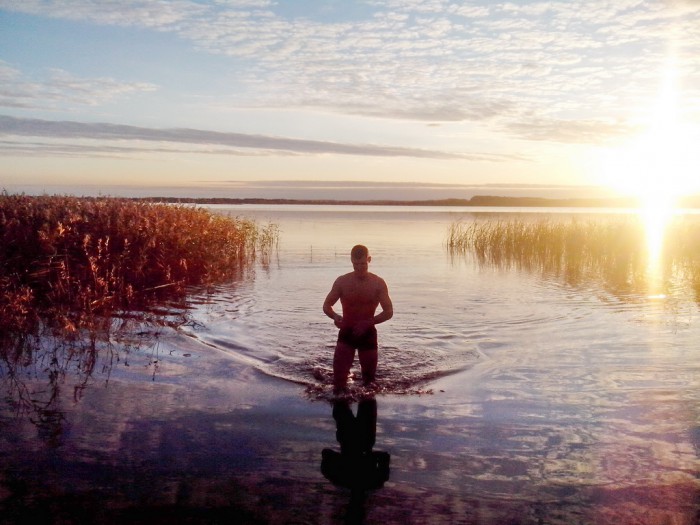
(507,397)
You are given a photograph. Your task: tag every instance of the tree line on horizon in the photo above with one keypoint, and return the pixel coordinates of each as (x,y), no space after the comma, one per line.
(475,201)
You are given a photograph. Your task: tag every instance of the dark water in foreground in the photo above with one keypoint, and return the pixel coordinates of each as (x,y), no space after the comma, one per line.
(530,401)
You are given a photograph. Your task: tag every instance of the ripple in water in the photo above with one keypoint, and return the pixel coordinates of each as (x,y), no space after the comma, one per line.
(295,343)
(403,370)
(400,371)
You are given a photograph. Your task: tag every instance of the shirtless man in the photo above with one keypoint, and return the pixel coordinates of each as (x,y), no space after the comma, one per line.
(360,292)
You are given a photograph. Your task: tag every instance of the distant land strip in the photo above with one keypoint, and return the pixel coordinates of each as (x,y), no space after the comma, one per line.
(477,200)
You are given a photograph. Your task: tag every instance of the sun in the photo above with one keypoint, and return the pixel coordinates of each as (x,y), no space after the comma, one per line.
(661,163)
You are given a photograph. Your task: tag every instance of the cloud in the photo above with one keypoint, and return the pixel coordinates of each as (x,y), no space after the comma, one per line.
(430,60)
(238,142)
(155,15)
(573,131)
(61,89)
(60,148)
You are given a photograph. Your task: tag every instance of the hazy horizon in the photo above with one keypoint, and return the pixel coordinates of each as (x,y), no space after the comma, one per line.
(322,190)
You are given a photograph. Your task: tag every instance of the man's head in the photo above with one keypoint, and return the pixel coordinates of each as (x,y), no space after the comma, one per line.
(360,259)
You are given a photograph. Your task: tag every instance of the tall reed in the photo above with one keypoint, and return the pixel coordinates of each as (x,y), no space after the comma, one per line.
(613,251)
(66,261)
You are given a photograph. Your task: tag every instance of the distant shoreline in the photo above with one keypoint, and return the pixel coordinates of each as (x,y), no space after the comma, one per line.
(477,200)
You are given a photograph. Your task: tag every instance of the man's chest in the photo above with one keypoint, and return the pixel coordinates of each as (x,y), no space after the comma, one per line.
(360,292)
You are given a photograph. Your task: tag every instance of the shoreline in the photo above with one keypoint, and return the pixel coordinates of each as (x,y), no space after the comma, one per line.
(689,202)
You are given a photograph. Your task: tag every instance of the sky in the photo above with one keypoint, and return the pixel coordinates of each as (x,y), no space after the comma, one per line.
(226,95)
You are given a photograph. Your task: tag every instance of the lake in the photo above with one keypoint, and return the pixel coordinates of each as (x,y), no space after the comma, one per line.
(506,395)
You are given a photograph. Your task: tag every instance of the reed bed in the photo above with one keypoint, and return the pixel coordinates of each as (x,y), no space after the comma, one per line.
(613,251)
(68,263)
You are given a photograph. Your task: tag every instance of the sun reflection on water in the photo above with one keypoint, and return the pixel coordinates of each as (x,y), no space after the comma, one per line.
(656,217)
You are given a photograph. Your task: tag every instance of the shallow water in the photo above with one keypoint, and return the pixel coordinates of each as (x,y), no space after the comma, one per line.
(530,401)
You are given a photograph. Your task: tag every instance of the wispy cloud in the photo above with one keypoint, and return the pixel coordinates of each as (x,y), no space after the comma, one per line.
(506,65)
(61,89)
(108,134)
(157,15)
(575,132)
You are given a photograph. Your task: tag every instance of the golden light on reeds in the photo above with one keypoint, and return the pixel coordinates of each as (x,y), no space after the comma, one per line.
(618,253)
(67,262)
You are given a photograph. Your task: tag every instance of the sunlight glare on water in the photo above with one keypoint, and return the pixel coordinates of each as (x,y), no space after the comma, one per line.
(656,217)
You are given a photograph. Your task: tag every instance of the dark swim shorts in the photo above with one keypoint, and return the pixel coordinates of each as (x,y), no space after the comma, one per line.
(367,341)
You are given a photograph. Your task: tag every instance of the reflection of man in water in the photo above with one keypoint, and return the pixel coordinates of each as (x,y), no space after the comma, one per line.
(360,292)
(357,466)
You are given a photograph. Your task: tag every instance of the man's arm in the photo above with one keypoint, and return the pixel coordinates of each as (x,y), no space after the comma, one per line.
(331,299)
(385,302)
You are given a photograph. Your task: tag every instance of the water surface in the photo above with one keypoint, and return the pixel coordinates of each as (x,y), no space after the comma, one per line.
(508,396)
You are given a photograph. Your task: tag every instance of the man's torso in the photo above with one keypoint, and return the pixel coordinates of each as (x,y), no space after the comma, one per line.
(359,296)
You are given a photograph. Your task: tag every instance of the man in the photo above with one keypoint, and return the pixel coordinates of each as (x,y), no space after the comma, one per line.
(360,292)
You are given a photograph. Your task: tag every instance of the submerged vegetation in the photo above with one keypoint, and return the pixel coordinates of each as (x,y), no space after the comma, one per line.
(614,251)
(69,266)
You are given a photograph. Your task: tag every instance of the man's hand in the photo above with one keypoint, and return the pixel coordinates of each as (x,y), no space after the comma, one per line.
(338,321)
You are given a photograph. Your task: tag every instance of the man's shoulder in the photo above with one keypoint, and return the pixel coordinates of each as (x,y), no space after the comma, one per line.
(375,281)
(346,277)
(350,279)
(375,277)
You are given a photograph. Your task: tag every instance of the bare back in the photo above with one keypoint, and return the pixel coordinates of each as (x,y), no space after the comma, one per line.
(359,296)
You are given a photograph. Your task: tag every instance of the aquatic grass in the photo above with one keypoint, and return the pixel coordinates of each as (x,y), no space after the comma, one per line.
(67,261)
(85,281)
(611,250)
